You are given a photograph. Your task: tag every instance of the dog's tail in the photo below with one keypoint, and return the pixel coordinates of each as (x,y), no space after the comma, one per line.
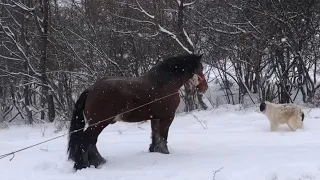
(302,116)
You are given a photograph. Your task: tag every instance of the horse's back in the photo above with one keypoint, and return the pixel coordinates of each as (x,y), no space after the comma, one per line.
(112,96)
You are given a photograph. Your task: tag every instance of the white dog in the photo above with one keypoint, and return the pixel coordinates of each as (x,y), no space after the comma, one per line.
(277,114)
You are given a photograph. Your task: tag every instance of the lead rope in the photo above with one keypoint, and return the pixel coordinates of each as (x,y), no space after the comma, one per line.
(28,147)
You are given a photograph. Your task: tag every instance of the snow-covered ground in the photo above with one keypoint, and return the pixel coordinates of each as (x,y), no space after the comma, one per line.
(238,142)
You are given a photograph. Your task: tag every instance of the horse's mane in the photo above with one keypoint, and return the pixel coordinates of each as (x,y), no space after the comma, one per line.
(176,66)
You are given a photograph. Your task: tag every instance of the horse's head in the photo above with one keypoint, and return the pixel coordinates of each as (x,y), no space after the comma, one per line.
(179,70)
(198,80)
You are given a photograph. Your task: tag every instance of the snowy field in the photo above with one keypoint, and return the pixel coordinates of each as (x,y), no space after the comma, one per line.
(238,142)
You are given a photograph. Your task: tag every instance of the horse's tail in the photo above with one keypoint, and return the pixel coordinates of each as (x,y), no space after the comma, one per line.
(77,122)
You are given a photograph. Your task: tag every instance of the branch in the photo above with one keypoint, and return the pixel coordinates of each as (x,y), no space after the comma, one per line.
(77,56)
(210,23)
(221,31)
(174,37)
(189,4)
(234,6)
(160,28)
(215,172)
(105,55)
(180,25)
(131,19)
(143,11)
(23,6)
(9,33)
(188,38)
(10,58)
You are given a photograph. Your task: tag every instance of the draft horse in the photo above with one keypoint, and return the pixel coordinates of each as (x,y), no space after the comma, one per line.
(115,96)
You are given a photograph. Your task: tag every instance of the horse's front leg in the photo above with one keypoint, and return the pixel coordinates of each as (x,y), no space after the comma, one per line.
(160,130)
(155,135)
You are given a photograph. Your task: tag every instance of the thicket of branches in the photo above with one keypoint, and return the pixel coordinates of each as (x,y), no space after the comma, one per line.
(52,49)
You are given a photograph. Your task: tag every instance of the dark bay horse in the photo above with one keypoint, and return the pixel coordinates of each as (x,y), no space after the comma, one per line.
(109,99)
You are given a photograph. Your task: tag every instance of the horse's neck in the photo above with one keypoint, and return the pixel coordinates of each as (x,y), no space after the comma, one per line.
(171,87)
(165,82)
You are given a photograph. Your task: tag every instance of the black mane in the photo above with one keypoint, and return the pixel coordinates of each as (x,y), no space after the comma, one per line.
(177,66)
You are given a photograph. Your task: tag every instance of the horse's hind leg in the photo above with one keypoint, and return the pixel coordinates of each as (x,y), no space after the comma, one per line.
(95,158)
(87,153)
(81,156)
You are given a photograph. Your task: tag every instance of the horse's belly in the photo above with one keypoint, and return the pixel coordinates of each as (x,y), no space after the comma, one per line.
(137,115)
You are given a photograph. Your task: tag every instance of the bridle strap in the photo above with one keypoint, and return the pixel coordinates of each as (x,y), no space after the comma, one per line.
(196,82)
(201,78)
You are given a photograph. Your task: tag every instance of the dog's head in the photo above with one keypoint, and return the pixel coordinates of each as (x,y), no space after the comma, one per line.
(263,107)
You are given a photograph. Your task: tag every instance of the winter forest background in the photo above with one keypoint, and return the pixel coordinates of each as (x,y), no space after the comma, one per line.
(254,50)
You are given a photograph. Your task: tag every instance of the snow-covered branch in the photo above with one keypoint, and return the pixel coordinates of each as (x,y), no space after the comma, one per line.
(10,34)
(132,19)
(185,42)
(10,58)
(190,3)
(23,6)
(188,38)
(172,35)
(143,10)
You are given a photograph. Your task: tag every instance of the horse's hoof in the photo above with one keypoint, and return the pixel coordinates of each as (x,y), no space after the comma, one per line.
(98,162)
(77,167)
(159,149)
(165,151)
(163,148)
(152,148)
(102,162)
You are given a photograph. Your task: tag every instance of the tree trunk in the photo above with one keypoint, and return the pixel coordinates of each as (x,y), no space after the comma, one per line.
(190,94)
(46,95)
(26,79)
(68,94)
